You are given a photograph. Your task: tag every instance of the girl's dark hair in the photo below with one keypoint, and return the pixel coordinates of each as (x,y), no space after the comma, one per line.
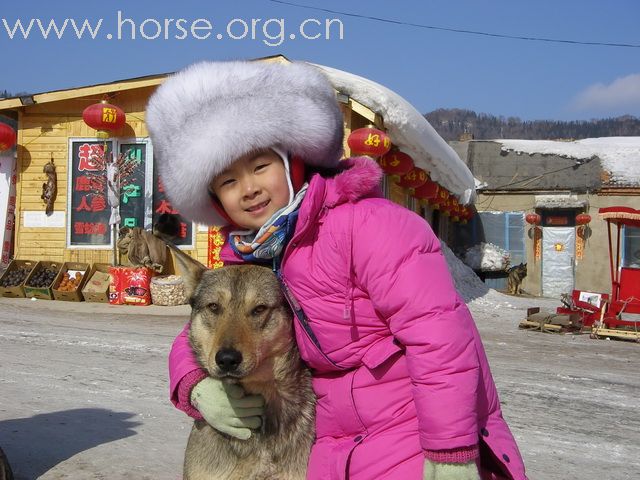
(324,172)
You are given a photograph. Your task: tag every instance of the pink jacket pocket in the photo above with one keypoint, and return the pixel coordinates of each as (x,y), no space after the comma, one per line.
(381,351)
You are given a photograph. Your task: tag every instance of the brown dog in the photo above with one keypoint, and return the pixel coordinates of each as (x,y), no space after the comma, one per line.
(515,278)
(239,313)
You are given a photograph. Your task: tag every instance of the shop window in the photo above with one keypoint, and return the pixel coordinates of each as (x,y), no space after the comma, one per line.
(87,205)
(631,247)
(141,196)
(506,230)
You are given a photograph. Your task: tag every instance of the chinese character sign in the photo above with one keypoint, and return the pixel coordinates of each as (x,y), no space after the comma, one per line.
(161,204)
(132,187)
(89,212)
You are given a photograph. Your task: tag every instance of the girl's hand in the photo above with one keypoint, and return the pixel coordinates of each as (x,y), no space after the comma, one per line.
(227,408)
(450,471)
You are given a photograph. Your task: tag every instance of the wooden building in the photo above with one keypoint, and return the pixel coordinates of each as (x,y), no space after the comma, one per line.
(51,128)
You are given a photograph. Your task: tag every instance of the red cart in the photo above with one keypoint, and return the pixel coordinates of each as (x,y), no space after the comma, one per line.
(618,313)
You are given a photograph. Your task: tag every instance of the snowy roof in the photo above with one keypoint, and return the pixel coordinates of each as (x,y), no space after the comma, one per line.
(620,156)
(410,131)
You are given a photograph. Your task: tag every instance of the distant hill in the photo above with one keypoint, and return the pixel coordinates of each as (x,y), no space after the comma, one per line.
(452,123)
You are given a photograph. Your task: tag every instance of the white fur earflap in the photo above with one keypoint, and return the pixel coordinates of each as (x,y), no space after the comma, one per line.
(206,116)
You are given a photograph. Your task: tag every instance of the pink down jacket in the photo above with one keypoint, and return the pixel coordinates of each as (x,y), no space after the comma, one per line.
(398,366)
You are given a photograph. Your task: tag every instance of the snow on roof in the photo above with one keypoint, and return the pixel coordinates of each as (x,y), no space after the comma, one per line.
(410,131)
(620,156)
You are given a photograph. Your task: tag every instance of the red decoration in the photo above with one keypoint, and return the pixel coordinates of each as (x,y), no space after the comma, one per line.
(104,117)
(369,141)
(583,219)
(396,163)
(415,178)
(533,219)
(428,191)
(7,137)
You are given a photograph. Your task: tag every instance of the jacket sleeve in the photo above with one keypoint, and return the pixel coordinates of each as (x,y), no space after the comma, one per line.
(184,372)
(397,260)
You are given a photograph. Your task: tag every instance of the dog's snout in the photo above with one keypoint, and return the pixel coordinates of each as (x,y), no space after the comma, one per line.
(228,359)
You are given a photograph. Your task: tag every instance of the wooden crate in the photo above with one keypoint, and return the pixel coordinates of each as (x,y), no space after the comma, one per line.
(76,295)
(43,293)
(18,290)
(101,296)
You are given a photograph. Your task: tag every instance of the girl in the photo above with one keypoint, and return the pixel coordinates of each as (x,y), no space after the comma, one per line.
(402,382)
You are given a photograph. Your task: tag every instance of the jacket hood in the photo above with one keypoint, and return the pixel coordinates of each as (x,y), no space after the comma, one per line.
(360,178)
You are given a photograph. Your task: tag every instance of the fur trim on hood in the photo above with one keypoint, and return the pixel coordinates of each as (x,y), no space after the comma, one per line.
(360,178)
(206,116)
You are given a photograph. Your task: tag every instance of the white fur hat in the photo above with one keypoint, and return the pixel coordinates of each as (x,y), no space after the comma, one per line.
(206,116)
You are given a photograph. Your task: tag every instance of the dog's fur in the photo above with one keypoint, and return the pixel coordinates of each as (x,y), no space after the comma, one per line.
(242,308)
(514,280)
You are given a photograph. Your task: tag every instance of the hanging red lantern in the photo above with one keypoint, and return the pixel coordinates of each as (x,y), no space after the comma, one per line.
(446,206)
(454,209)
(396,162)
(427,192)
(583,218)
(465,215)
(104,117)
(533,219)
(369,141)
(415,178)
(7,137)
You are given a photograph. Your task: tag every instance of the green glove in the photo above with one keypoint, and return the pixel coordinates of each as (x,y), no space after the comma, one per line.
(450,471)
(226,408)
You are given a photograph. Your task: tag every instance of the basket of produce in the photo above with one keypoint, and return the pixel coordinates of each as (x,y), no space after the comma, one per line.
(168,290)
(40,281)
(68,285)
(12,280)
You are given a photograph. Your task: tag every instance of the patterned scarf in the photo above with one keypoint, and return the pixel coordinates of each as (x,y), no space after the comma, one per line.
(270,240)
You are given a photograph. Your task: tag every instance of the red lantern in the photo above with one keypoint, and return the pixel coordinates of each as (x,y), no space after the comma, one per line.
(104,117)
(454,209)
(533,218)
(7,137)
(396,163)
(415,178)
(465,215)
(369,141)
(583,219)
(428,191)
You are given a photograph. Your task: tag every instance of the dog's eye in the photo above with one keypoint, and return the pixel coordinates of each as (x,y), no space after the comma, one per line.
(258,310)
(214,307)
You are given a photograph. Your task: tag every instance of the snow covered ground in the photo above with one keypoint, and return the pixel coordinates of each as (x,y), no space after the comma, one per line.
(83,390)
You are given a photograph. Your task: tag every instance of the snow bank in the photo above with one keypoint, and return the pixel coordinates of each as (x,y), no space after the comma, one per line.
(410,131)
(480,298)
(619,155)
(487,257)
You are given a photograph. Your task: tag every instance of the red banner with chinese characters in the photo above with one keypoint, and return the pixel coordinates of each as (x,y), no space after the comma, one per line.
(8,203)
(216,241)
(537,243)
(580,241)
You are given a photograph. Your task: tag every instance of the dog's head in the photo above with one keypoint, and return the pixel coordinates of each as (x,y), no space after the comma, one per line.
(240,320)
(520,270)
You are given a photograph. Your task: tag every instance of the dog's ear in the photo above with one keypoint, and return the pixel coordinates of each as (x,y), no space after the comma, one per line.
(191,270)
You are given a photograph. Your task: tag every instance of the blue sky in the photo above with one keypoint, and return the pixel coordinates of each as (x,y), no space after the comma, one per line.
(430,68)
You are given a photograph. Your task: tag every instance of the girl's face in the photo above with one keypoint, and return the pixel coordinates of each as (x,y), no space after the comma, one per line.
(252,189)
